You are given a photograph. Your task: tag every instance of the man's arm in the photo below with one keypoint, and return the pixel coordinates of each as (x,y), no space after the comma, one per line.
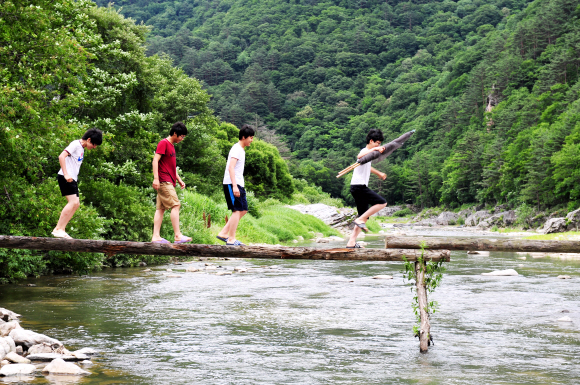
(181,182)
(381,175)
(366,151)
(235,189)
(62,161)
(156,171)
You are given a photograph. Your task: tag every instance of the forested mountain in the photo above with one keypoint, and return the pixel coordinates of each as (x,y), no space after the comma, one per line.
(491,88)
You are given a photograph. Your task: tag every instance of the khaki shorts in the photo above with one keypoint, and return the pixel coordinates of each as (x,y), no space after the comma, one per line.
(166,196)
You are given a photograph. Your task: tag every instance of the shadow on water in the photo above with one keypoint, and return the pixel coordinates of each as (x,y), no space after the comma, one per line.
(313,322)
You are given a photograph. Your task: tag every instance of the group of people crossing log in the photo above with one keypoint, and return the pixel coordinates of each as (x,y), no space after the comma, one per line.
(165,178)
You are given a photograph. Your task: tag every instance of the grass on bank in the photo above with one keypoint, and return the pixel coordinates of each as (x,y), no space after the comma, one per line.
(266,222)
(570,235)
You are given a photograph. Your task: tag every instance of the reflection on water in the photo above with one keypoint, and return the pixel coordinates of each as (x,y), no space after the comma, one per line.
(313,322)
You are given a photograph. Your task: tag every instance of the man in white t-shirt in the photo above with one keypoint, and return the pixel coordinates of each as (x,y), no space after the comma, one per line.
(70,163)
(234,186)
(362,194)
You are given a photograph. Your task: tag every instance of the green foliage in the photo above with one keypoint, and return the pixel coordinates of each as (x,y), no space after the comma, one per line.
(491,89)
(403,213)
(433,276)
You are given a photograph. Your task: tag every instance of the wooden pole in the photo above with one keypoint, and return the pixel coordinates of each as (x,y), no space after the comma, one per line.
(482,244)
(111,248)
(425,327)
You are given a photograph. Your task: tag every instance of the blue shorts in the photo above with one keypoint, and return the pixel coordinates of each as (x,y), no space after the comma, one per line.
(235,203)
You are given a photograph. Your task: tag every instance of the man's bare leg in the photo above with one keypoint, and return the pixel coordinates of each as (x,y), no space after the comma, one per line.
(373,210)
(175,221)
(233,222)
(157,221)
(73,203)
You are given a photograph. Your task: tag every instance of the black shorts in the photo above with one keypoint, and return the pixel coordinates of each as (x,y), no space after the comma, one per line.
(67,188)
(235,203)
(365,197)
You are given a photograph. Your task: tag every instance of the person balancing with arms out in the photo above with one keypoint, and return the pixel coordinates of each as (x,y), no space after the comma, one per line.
(362,194)
(164,178)
(70,163)
(234,186)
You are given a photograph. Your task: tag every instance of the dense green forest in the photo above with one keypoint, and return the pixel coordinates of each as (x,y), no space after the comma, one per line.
(491,88)
(66,66)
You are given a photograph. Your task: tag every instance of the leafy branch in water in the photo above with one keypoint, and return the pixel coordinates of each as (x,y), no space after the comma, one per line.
(433,274)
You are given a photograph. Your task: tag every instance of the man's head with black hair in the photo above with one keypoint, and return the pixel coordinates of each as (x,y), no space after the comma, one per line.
(95,135)
(179,129)
(375,136)
(246,131)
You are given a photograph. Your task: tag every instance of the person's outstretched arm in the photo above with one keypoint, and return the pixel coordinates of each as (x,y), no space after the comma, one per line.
(381,175)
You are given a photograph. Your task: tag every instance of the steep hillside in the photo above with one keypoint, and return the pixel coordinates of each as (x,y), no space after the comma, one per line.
(490,87)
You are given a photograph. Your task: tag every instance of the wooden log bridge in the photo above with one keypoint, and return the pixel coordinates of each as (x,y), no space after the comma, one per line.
(111,248)
(483,244)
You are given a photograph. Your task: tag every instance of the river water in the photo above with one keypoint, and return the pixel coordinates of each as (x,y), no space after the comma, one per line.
(313,322)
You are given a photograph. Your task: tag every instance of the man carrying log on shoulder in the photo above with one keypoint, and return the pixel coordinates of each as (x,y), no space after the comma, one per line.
(234,186)
(362,194)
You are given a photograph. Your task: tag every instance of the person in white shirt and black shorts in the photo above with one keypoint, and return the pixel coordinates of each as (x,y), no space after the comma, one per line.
(233,184)
(362,194)
(70,161)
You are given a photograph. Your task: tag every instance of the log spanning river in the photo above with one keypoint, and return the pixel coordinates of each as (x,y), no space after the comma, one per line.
(313,322)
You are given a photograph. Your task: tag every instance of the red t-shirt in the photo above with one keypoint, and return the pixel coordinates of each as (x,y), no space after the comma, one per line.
(167,165)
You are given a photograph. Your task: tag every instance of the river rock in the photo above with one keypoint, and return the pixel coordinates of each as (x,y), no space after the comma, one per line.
(224,273)
(8,341)
(51,356)
(508,272)
(383,277)
(4,362)
(80,356)
(173,276)
(17,369)
(240,269)
(554,225)
(564,277)
(27,338)
(322,240)
(7,327)
(503,219)
(42,348)
(573,220)
(388,211)
(87,351)
(210,267)
(191,269)
(475,218)
(7,315)
(58,366)
(300,238)
(446,218)
(565,319)
(15,358)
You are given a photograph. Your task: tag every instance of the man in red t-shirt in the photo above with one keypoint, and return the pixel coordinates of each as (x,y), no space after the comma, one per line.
(164,178)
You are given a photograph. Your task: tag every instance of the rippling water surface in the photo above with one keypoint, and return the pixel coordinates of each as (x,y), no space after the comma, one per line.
(313,322)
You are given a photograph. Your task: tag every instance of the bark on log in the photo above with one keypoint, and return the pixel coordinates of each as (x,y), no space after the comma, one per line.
(425,326)
(111,248)
(483,244)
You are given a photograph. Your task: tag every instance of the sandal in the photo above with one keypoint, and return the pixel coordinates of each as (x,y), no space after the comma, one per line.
(222,239)
(236,243)
(356,246)
(183,239)
(162,240)
(363,226)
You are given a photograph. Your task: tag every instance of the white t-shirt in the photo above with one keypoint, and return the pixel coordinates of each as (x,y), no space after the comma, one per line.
(73,161)
(236,152)
(362,173)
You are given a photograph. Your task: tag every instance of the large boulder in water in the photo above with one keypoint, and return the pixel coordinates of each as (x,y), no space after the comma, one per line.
(27,338)
(502,219)
(6,328)
(554,225)
(7,315)
(59,366)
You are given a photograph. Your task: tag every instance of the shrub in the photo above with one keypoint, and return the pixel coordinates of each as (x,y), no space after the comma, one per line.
(460,221)
(403,213)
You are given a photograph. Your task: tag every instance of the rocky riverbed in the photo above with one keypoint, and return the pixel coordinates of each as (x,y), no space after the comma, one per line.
(24,354)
